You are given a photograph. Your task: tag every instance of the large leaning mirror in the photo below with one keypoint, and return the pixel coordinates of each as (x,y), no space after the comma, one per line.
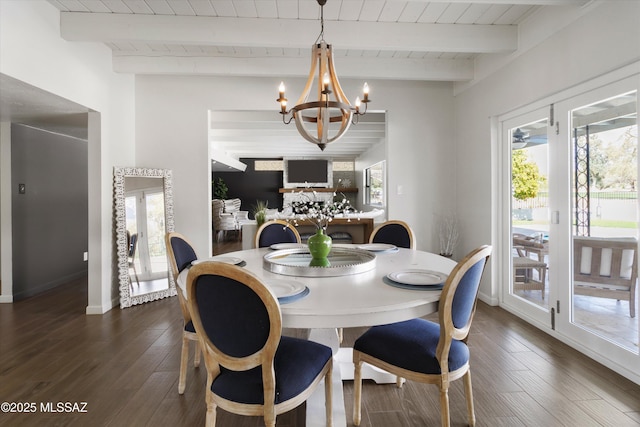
(144,214)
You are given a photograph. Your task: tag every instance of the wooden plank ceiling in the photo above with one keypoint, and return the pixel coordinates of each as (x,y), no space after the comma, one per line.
(372,39)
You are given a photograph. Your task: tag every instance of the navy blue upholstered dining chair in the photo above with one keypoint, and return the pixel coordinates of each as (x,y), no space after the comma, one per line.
(394,232)
(181,254)
(276,231)
(425,351)
(251,368)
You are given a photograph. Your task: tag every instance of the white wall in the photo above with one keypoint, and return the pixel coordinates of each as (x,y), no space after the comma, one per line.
(31,50)
(171,132)
(602,38)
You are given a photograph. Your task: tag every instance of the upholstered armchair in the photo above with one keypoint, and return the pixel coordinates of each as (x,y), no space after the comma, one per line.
(223,221)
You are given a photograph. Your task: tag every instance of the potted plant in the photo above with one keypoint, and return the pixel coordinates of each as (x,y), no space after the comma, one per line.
(220,189)
(260,212)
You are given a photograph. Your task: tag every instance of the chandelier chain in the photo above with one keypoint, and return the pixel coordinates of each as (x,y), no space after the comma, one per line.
(321,35)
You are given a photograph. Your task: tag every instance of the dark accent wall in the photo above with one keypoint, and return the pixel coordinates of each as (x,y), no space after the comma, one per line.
(251,185)
(50,220)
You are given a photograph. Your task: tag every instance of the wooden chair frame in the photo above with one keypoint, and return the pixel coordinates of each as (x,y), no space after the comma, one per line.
(525,266)
(272,222)
(448,332)
(264,357)
(412,237)
(186,316)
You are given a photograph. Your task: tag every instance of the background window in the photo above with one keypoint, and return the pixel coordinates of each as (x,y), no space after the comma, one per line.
(374,184)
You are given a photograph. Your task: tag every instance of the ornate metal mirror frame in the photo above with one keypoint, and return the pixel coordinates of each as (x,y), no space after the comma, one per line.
(120,175)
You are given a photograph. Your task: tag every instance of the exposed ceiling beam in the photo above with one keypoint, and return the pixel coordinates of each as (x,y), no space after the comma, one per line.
(275,33)
(348,67)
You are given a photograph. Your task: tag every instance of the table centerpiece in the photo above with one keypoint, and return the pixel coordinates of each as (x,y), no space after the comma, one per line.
(319,213)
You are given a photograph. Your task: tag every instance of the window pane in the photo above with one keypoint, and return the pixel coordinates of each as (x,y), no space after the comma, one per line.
(605,222)
(374,176)
(530,212)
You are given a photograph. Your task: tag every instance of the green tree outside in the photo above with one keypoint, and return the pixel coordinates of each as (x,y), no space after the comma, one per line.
(525,176)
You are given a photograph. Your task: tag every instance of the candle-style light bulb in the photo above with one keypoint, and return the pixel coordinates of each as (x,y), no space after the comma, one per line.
(281,99)
(357,104)
(325,82)
(365,91)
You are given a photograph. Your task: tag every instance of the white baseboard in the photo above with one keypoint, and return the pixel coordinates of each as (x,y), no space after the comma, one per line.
(97,309)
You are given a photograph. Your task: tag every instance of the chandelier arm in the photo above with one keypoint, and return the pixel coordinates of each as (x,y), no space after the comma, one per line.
(284,120)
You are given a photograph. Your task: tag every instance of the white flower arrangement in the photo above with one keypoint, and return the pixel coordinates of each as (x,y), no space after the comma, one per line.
(318,212)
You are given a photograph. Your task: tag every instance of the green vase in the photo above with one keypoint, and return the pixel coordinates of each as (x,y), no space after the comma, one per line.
(319,245)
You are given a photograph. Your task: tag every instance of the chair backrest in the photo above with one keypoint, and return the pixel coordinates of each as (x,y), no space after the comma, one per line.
(232,205)
(217,207)
(180,252)
(276,231)
(132,242)
(613,261)
(394,232)
(236,317)
(458,301)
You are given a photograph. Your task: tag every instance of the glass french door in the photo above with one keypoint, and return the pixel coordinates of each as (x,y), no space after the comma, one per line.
(570,176)
(602,139)
(529,239)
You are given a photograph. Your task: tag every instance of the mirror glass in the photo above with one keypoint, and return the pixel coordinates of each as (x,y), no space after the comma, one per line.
(144,214)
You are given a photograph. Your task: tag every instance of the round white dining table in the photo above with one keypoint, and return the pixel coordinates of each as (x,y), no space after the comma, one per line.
(349,300)
(352,300)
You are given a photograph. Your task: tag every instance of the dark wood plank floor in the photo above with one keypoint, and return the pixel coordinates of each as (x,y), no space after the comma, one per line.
(124,365)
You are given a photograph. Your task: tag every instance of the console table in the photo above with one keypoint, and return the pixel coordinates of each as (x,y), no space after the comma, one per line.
(360,229)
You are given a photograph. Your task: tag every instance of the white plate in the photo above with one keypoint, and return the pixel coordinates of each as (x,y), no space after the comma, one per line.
(377,247)
(418,277)
(285,288)
(343,245)
(224,259)
(278,246)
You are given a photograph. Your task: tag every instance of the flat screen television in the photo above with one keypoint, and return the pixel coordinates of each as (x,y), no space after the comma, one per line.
(311,172)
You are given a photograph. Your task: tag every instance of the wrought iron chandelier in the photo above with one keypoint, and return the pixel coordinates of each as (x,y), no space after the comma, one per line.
(327,119)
